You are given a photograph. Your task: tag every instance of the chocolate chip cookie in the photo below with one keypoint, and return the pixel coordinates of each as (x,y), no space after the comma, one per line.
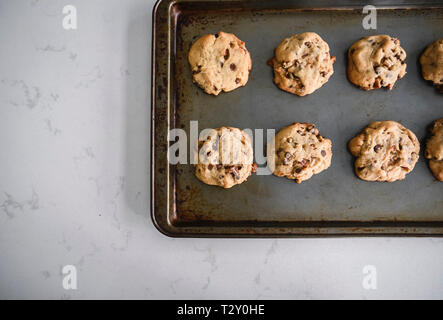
(432,63)
(219,62)
(375,62)
(385,151)
(298,152)
(225,157)
(434,149)
(302,63)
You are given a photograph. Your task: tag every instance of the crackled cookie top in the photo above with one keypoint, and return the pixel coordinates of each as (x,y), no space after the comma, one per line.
(432,63)
(375,62)
(219,62)
(434,149)
(225,157)
(302,63)
(298,152)
(385,151)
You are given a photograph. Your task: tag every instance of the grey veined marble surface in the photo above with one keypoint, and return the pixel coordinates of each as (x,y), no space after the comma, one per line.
(74,137)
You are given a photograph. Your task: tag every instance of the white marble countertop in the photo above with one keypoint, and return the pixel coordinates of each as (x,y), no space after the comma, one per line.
(74,177)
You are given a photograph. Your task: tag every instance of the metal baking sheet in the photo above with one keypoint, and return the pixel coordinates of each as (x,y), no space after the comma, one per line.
(332,203)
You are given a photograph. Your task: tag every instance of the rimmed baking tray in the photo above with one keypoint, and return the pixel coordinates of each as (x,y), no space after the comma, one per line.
(332,203)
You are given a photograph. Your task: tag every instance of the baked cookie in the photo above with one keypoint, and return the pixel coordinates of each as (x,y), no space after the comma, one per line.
(219,62)
(432,63)
(225,157)
(375,62)
(434,149)
(298,152)
(385,151)
(302,63)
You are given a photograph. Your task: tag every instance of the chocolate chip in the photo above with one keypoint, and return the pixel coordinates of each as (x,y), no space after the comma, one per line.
(308,44)
(237,80)
(323,153)
(232,44)
(216,35)
(209,153)
(378,148)
(323,73)
(221,64)
(298,170)
(232,66)
(233,170)
(210,166)
(219,166)
(396,160)
(227,54)
(300,84)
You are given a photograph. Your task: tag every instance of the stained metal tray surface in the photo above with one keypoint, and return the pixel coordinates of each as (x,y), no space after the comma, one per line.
(332,203)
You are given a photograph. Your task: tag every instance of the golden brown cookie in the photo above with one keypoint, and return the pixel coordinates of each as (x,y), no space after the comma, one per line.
(219,62)
(302,63)
(298,152)
(385,151)
(434,149)
(225,157)
(432,63)
(375,62)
